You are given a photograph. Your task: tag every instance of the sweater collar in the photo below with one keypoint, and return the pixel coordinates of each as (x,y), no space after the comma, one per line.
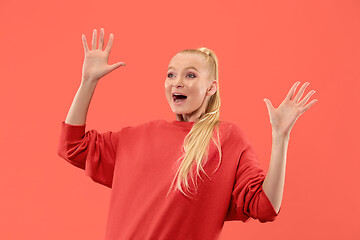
(182,124)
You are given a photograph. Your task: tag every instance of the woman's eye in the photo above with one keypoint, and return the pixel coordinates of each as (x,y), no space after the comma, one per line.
(191,74)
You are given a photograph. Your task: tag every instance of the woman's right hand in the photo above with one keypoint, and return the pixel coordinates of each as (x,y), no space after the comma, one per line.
(95,63)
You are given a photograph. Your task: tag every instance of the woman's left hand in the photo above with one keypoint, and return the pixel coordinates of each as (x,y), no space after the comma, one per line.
(283,118)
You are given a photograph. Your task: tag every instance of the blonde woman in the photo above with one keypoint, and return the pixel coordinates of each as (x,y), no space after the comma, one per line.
(179,179)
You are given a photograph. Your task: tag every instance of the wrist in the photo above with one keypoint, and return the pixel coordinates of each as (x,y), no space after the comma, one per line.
(88,83)
(276,134)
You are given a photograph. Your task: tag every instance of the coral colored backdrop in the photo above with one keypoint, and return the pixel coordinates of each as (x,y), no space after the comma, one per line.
(263,48)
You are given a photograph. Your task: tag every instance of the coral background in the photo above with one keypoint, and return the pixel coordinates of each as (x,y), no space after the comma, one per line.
(263,48)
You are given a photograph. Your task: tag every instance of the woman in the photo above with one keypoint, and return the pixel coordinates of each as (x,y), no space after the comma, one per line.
(154,169)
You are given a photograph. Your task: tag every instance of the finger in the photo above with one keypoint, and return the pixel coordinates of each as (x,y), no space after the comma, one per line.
(116,65)
(109,44)
(101,40)
(306,98)
(269,106)
(301,91)
(292,91)
(86,48)
(308,106)
(94,40)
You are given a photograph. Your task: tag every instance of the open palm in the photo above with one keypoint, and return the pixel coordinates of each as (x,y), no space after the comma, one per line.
(95,63)
(283,118)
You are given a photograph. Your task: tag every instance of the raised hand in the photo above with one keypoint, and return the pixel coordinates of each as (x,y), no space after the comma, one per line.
(283,118)
(95,63)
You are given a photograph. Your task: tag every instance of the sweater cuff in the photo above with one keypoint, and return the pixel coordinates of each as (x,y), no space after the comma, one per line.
(73,131)
(269,211)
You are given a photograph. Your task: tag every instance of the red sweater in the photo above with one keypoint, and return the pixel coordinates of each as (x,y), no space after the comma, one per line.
(136,162)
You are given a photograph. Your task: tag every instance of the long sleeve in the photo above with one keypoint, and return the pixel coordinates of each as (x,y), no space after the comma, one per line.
(92,151)
(248,198)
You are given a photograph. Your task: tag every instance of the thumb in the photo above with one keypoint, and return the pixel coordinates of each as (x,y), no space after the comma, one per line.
(268,104)
(116,65)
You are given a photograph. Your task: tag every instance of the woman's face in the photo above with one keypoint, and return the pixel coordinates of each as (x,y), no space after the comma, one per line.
(188,75)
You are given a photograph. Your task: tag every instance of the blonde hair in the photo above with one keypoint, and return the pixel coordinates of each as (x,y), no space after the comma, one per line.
(197,141)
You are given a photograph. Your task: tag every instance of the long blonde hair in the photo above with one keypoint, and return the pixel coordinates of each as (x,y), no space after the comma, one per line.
(197,141)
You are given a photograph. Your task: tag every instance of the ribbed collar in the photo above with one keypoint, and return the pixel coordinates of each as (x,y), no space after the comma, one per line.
(186,125)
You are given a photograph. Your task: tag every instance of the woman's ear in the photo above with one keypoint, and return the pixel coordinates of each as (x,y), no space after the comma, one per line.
(212,88)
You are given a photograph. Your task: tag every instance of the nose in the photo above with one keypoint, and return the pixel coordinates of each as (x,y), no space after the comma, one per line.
(178,82)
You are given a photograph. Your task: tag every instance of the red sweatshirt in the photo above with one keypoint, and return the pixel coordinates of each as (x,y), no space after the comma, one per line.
(137,162)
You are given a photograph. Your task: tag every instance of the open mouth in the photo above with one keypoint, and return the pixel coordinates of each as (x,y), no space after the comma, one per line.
(178,98)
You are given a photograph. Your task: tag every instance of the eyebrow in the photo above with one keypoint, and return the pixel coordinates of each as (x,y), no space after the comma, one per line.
(186,68)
